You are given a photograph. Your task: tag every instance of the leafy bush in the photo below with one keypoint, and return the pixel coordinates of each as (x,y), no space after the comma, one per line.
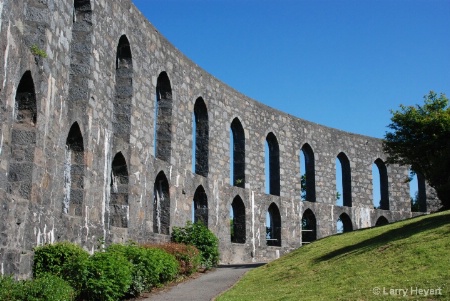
(10,290)
(164,264)
(45,288)
(151,267)
(200,236)
(54,258)
(188,256)
(108,277)
(147,269)
(49,288)
(64,259)
(123,270)
(142,276)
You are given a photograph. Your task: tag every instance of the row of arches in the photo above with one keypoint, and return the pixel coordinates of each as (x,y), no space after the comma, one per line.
(238,218)
(118,213)
(200,133)
(272,223)
(343,195)
(24,139)
(24,134)
(343,224)
(74,175)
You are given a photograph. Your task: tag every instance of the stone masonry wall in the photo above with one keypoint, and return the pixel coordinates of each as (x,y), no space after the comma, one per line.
(90,172)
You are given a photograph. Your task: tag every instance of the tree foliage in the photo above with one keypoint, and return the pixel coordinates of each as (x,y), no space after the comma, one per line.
(420,138)
(200,236)
(303,186)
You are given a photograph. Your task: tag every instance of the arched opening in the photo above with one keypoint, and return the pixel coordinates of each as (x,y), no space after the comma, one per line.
(237,223)
(161,205)
(200,203)
(273,226)
(344,223)
(307,174)
(381,221)
(23,139)
(25,104)
(343,181)
(201,138)
(163,114)
(272,151)
(118,205)
(309,224)
(74,172)
(380,185)
(237,138)
(417,190)
(124,59)
(124,93)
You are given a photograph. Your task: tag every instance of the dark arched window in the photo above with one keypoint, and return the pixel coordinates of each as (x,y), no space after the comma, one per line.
(344,223)
(237,224)
(273,156)
(237,153)
(163,114)
(201,137)
(308,174)
(309,224)
(124,61)
(23,139)
(118,205)
(200,203)
(26,101)
(161,205)
(273,226)
(343,181)
(381,221)
(381,194)
(74,172)
(124,94)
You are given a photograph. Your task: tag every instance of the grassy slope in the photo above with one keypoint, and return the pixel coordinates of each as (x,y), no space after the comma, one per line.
(411,253)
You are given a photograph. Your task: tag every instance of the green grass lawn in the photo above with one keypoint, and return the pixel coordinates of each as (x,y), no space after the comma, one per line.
(392,262)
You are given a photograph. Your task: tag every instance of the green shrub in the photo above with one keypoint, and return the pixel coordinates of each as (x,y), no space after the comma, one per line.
(151,267)
(108,277)
(200,236)
(143,275)
(45,288)
(188,256)
(55,258)
(10,290)
(64,259)
(49,288)
(164,263)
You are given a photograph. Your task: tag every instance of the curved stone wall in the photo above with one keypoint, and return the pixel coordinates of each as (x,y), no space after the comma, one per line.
(116,108)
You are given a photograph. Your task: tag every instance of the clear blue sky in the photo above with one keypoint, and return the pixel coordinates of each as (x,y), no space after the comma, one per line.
(339,63)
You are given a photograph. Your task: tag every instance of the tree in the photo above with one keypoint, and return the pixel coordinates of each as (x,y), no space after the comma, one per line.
(303,186)
(415,204)
(420,138)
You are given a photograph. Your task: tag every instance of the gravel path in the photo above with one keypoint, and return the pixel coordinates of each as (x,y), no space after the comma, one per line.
(205,287)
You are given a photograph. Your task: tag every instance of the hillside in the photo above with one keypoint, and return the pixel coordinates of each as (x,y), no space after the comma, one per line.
(407,260)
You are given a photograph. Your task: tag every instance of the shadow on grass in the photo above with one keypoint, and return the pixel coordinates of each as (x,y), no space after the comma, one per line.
(387,237)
